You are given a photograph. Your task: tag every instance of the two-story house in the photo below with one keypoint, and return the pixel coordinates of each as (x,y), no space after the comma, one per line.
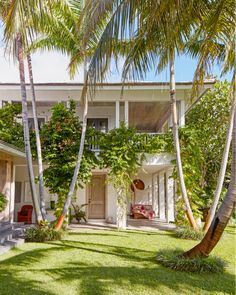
(145,106)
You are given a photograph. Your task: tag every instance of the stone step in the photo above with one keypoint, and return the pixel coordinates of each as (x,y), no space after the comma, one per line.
(11,231)
(8,245)
(5,236)
(5,226)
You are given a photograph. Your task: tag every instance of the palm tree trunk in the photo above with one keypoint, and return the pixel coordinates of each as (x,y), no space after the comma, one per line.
(26,128)
(177,146)
(38,141)
(67,204)
(223,215)
(121,219)
(223,167)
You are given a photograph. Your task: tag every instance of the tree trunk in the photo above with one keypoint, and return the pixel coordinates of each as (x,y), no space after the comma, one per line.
(223,167)
(26,129)
(223,215)
(177,146)
(38,141)
(121,219)
(78,162)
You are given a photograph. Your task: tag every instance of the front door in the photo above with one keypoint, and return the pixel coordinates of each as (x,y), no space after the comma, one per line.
(96,197)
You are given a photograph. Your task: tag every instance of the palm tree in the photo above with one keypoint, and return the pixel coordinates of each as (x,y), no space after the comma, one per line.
(37,14)
(38,141)
(20,57)
(143,32)
(221,176)
(64,35)
(218,44)
(214,41)
(6,9)
(177,146)
(224,213)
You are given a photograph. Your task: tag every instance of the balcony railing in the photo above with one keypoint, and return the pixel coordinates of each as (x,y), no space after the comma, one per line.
(144,140)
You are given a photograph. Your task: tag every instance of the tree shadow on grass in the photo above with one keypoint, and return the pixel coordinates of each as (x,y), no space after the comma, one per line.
(145,276)
(102,280)
(137,255)
(12,278)
(76,233)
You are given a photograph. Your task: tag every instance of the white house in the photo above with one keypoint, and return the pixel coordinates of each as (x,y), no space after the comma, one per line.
(144,105)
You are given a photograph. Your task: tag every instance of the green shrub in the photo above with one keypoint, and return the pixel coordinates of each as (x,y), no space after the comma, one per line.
(42,234)
(174,260)
(3,202)
(189,233)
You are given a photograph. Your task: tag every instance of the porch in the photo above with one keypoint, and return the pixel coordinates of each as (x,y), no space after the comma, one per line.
(132,224)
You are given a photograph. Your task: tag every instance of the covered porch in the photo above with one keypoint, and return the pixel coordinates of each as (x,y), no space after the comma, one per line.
(132,224)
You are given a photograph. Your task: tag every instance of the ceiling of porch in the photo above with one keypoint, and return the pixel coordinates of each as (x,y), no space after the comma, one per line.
(148,116)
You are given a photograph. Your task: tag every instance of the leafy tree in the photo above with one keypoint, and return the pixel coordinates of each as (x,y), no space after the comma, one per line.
(121,155)
(61,141)
(11,130)
(202,146)
(210,118)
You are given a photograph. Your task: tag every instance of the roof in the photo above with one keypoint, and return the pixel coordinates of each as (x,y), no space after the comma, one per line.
(11,149)
(116,85)
(142,83)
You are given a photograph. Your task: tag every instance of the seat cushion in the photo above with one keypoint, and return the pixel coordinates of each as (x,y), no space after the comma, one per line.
(24,213)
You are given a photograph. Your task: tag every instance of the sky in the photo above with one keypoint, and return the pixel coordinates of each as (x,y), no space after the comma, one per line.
(52,67)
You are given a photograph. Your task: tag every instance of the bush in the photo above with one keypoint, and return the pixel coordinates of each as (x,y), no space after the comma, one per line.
(41,234)
(175,260)
(189,233)
(3,202)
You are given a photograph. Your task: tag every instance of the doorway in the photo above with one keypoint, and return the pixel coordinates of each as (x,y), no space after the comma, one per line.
(96,197)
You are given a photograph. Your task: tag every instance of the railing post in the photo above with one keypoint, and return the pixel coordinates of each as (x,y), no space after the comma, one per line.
(127,113)
(182,113)
(117,114)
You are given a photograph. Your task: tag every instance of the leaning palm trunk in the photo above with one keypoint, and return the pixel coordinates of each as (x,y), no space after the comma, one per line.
(223,215)
(177,146)
(223,167)
(38,141)
(26,128)
(67,204)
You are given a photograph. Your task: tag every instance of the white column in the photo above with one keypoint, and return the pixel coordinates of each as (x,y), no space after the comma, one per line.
(67,104)
(117,113)
(182,113)
(12,198)
(162,195)
(155,193)
(127,113)
(0,104)
(170,197)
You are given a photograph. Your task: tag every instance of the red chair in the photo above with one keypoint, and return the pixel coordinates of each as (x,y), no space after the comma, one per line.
(25,214)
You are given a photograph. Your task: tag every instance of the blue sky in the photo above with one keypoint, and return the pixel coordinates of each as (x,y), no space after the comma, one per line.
(52,67)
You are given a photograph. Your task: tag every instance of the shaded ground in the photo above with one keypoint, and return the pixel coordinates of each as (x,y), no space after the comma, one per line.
(102,262)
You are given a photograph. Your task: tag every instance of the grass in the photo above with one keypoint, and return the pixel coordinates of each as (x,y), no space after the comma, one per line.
(175,260)
(189,234)
(91,262)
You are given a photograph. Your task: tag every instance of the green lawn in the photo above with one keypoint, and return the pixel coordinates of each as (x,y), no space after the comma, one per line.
(93,262)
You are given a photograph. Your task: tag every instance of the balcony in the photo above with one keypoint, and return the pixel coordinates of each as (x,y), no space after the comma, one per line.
(144,139)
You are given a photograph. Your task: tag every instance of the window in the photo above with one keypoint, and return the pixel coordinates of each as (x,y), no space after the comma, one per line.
(18,186)
(41,121)
(98,124)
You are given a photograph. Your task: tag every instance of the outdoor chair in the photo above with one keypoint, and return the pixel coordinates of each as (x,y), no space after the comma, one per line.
(25,214)
(139,211)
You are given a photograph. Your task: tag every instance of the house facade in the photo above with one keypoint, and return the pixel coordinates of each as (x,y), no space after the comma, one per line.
(10,157)
(144,106)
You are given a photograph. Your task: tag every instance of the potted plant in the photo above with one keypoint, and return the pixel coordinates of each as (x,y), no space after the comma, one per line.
(79,214)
